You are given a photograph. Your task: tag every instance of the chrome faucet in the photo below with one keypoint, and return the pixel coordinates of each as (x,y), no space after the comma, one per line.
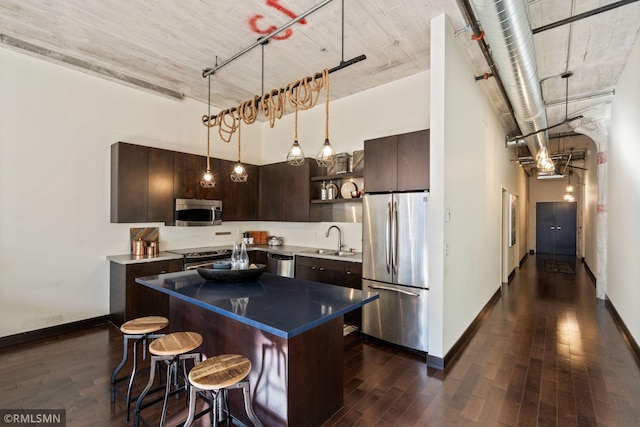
(339,236)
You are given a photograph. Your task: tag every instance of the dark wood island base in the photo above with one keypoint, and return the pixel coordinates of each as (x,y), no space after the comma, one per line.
(294,382)
(290,329)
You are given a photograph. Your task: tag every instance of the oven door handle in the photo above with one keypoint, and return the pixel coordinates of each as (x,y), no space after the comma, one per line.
(200,265)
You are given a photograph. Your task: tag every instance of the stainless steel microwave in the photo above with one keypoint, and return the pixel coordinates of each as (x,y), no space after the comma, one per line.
(190,212)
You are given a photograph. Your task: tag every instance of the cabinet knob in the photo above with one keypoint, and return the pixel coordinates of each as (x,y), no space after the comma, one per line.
(321,268)
(163,271)
(348,272)
(313,268)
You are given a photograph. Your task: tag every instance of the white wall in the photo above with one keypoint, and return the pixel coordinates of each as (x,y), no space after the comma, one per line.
(623,210)
(590,204)
(469,169)
(56,129)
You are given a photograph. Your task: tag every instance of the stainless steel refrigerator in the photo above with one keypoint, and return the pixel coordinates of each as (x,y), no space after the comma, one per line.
(394,264)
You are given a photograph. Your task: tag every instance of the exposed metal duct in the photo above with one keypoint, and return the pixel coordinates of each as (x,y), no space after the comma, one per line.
(508,32)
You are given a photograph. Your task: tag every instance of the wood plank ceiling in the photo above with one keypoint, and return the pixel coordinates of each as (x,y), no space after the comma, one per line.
(168,43)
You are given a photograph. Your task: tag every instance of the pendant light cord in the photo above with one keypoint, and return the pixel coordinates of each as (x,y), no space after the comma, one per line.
(239,123)
(209,125)
(295,137)
(325,75)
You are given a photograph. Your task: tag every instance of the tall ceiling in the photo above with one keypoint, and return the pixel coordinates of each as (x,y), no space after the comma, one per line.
(168,43)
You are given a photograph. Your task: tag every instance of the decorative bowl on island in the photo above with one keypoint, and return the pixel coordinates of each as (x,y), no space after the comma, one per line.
(232,275)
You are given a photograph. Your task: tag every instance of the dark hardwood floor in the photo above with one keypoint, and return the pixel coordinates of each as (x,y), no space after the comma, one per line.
(548,354)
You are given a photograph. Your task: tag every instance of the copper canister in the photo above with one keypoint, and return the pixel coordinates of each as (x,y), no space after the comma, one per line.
(138,247)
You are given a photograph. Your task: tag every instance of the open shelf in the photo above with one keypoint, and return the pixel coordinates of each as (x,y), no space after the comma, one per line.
(353,200)
(349,175)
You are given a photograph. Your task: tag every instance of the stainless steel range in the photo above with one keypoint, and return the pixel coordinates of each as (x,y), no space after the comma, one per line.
(202,257)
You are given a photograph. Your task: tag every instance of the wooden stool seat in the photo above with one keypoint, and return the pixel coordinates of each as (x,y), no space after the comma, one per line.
(214,376)
(220,371)
(144,325)
(140,331)
(175,343)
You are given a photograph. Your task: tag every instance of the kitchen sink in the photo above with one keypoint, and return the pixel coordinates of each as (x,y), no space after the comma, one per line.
(343,253)
(331,252)
(322,252)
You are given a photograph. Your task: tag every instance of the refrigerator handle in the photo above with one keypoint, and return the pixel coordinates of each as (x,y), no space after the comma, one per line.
(394,233)
(387,237)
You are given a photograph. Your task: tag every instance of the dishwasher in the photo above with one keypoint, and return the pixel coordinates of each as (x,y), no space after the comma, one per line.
(280,264)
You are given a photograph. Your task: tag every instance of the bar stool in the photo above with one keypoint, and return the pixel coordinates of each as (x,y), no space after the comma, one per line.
(141,330)
(172,348)
(215,376)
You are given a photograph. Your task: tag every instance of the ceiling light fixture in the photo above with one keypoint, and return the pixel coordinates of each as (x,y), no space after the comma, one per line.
(295,157)
(326,156)
(207,180)
(239,173)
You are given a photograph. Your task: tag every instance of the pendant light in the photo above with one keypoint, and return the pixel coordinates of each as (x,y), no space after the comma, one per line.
(239,173)
(207,180)
(295,157)
(326,156)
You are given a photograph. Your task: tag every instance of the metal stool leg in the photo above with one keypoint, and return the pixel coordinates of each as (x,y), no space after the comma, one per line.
(133,376)
(248,405)
(125,354)
(152,375)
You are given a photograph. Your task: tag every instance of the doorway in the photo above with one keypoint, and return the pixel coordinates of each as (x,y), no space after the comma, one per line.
(556,228)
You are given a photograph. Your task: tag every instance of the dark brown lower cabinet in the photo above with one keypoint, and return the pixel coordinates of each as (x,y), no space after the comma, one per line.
(128,299)
(340,273)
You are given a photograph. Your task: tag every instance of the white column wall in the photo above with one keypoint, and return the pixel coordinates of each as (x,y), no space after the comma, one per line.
(469,167)
(623,207)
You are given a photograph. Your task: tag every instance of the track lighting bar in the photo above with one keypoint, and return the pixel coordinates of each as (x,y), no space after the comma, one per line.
(261,40)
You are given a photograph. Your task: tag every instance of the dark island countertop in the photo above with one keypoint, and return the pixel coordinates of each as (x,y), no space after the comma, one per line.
(279,305)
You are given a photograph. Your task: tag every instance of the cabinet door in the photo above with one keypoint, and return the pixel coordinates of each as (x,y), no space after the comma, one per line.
(353,275)
(239,199)
(128,299)
(298,190)
(413,161)
(270,198)
(306,268)
(188,171)
(381,157)
(331,272)
(353,279)
(258,257)
(129,170)
(160,186)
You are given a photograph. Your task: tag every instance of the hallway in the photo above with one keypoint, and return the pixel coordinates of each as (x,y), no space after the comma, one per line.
(547,354)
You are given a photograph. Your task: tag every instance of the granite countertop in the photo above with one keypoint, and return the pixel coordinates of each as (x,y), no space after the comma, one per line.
(279,305)
(135,259)
(282,249)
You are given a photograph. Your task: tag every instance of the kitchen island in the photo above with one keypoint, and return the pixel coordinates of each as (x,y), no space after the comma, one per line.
(290,329)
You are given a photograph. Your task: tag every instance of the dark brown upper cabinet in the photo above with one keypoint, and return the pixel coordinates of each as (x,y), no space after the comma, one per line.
(397,163)
(141,184)
(286,192)
(188,172)
(239,199)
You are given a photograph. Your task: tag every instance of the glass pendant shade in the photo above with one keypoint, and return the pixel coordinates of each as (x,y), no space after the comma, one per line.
(326,156)
(295,157)
(239,173)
